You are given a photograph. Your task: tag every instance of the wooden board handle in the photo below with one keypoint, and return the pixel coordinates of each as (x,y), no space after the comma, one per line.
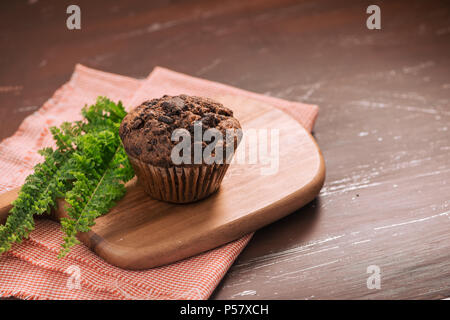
(6,199)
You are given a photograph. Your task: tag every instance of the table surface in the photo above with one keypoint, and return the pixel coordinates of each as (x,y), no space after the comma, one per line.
(383,126)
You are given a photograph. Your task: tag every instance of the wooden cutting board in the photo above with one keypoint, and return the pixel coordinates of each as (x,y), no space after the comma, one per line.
(140,232)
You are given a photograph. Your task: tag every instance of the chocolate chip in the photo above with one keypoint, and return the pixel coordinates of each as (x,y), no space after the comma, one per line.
(137,123)
(173,106)
(165,119)
(225,112)
(136,150)
(166,106)
(202,111)
(124,127)
(210,120)
(175,112)
(178,102)
(150,123)
(213,108)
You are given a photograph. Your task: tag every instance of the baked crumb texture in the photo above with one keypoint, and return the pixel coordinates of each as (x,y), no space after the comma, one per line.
(146,131)
(146,135)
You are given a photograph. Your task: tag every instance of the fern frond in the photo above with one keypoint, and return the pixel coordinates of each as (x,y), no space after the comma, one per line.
(88,168)
(103,194)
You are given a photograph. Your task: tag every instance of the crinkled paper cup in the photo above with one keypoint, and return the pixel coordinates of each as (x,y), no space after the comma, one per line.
(179,184)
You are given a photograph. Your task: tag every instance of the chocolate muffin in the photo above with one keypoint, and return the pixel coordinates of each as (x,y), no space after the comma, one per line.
(180,146)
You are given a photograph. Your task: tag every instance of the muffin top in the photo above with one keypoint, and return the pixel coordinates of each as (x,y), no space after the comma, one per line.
(146,131)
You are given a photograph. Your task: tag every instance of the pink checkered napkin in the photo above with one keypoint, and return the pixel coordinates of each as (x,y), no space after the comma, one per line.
(31,269)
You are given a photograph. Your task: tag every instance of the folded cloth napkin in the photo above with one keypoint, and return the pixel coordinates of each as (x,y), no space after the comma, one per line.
(31,269)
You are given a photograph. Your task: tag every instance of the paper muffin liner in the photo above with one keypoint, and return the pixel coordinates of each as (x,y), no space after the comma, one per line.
(179,184)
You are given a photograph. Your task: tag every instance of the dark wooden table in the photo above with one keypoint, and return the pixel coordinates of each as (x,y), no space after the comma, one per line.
(384,123)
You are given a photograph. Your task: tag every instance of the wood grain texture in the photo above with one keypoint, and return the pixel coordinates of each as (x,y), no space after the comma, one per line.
(383,126)
(141,233)
(6,199)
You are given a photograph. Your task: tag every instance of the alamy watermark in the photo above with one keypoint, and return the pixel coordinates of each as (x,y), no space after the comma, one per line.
(374,20)
(74,280)
(374,280)
(213,146)
(73,21)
